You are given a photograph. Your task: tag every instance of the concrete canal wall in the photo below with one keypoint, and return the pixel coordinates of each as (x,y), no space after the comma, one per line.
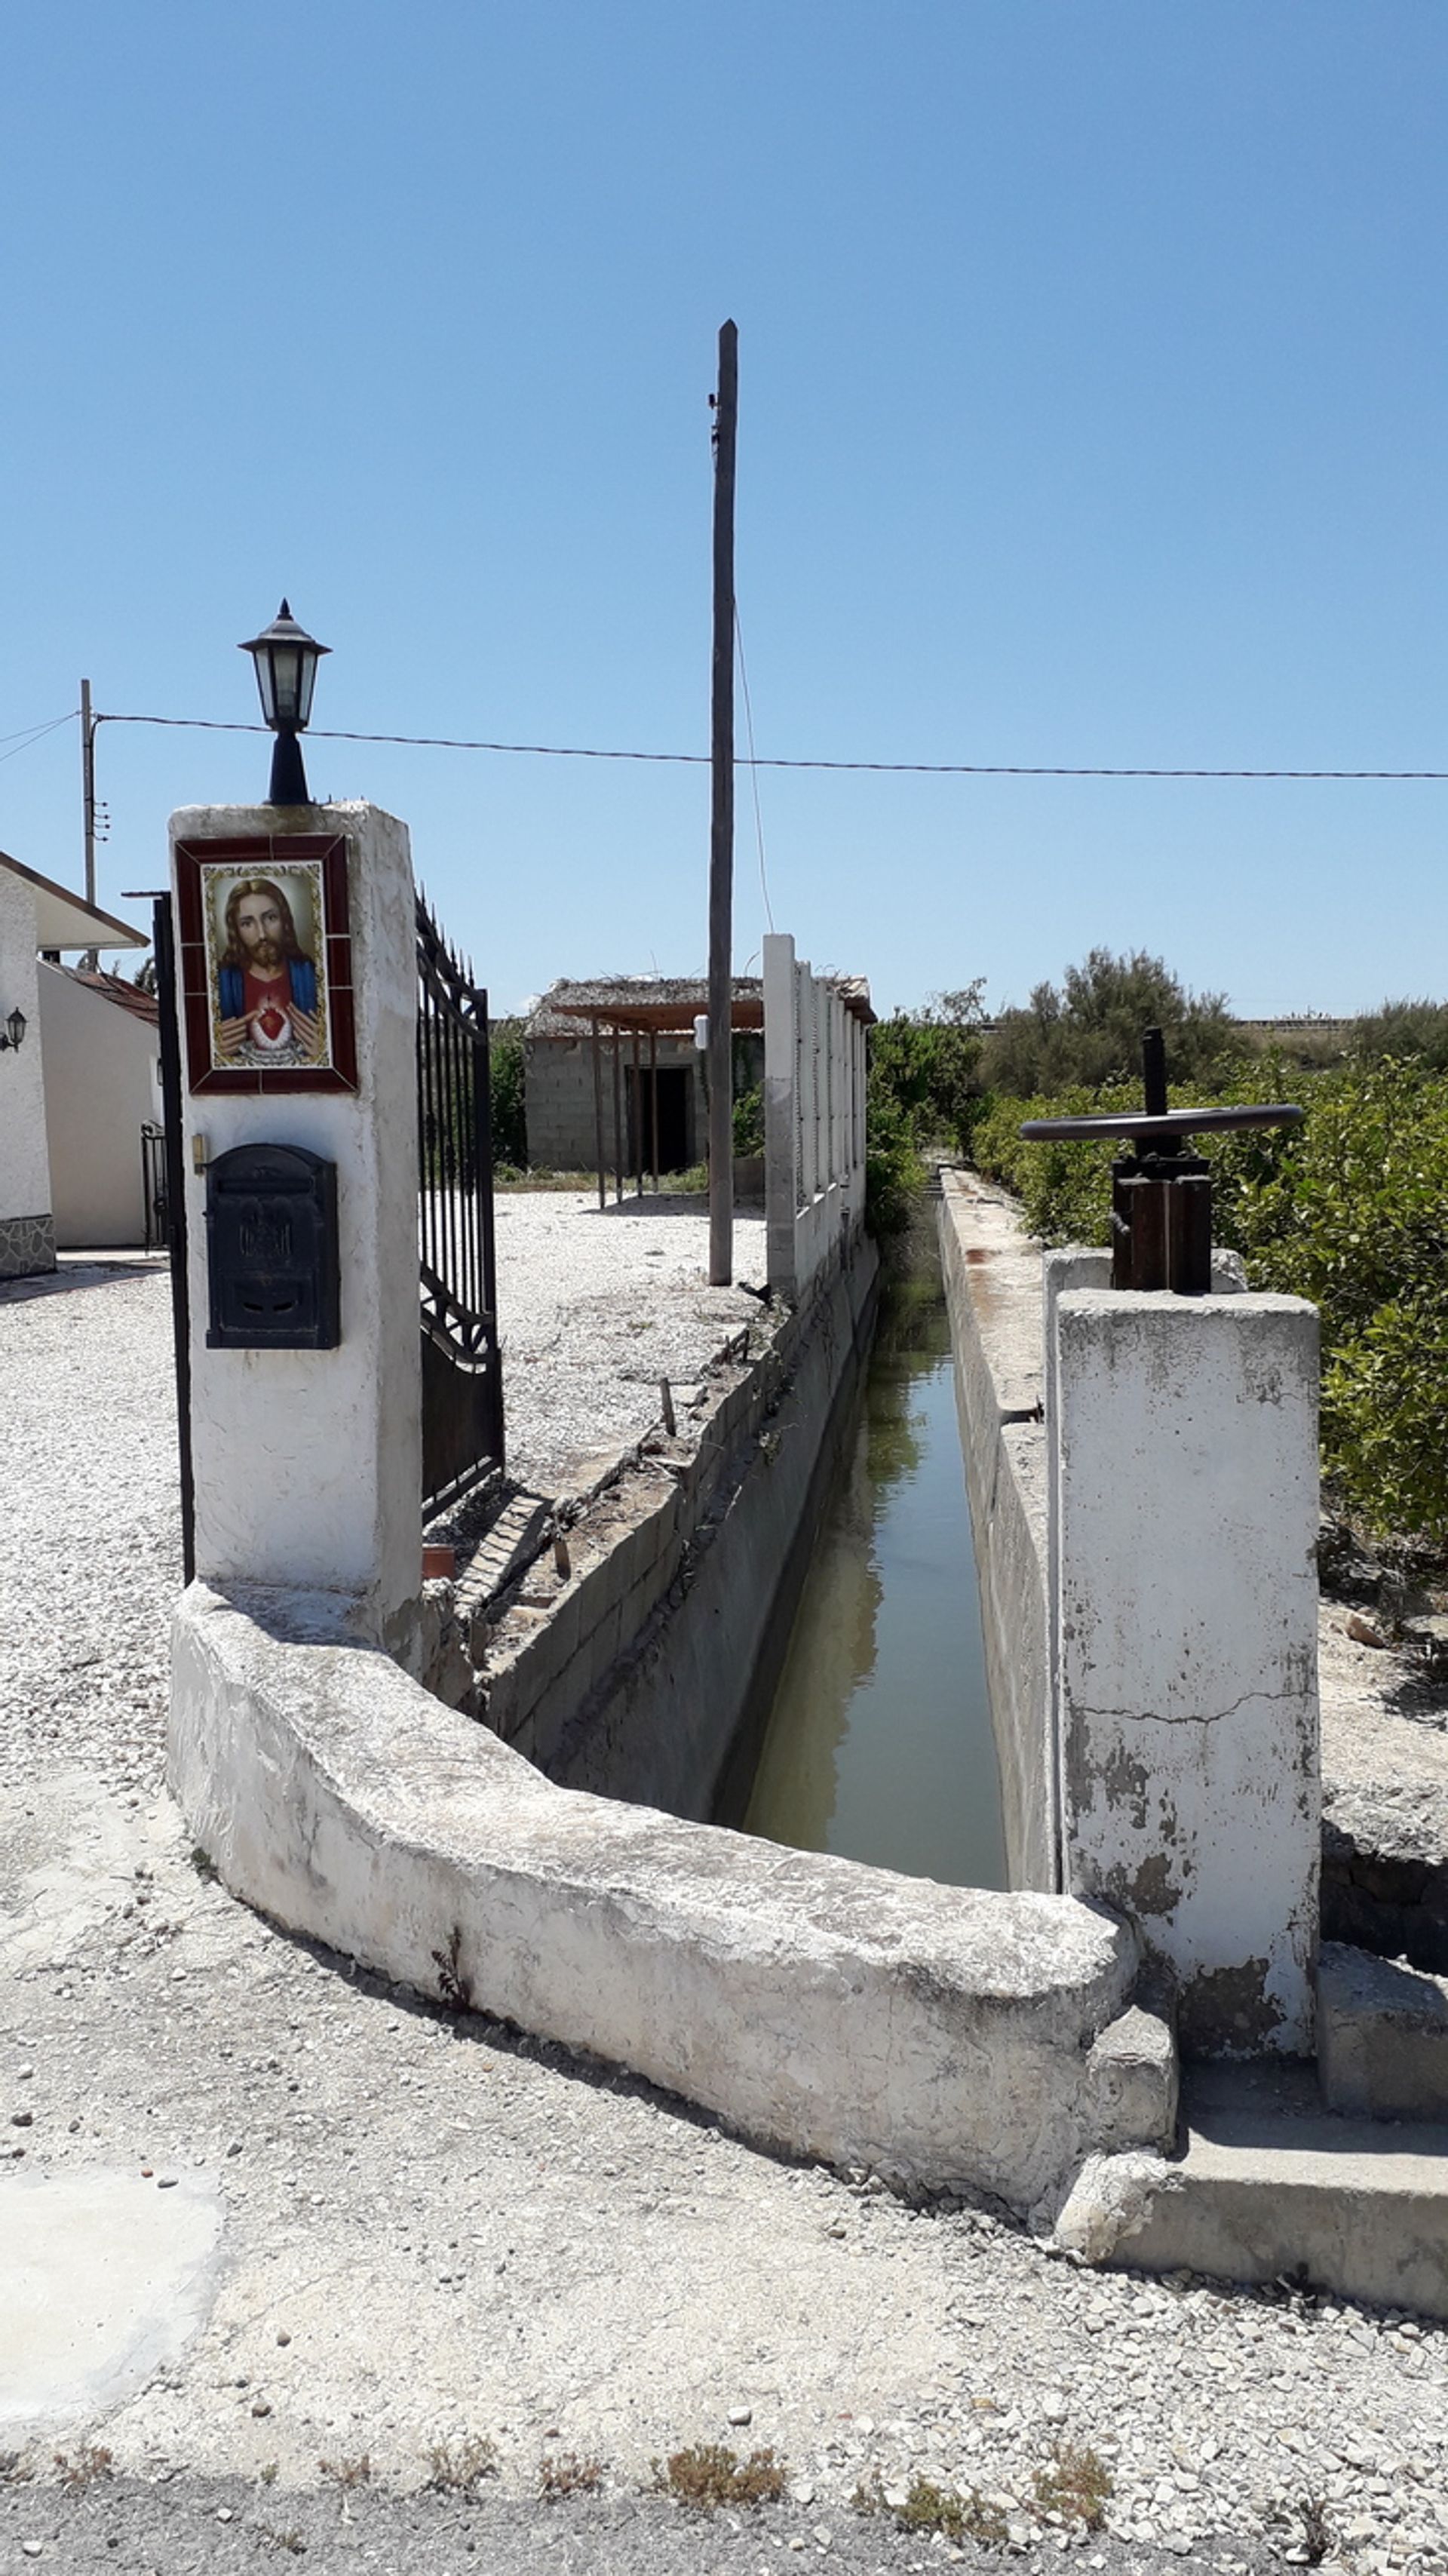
(993,1288)
(630,1674)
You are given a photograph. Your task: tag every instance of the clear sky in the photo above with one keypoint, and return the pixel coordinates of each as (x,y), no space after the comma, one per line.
(1092,409)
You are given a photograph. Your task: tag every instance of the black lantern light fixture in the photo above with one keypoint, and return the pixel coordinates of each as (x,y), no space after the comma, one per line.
(13,1031)
(286,659)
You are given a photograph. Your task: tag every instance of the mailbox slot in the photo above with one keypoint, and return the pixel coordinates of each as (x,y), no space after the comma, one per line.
(271,1242)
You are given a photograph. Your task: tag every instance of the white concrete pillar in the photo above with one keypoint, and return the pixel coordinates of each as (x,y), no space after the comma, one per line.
(1184,1480)
(308,1462)
(781,1110)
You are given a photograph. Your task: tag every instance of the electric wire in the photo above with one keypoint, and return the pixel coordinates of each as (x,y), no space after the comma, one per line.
(753,767)
(877,768)
(35,733)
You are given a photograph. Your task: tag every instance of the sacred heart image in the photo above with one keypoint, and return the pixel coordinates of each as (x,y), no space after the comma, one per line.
(265,959)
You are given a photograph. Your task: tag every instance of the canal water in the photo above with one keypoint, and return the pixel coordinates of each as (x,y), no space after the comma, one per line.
(879,1744)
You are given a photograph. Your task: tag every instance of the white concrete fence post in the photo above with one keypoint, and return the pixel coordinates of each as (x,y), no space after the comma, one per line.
(1182,1435)
(308,1462)
(814,1117)
(781,1106)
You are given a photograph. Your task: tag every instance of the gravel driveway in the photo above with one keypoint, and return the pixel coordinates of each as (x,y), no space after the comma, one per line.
(435,2232)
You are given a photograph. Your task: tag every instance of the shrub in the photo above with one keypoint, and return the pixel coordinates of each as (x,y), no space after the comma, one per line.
(505,1071)
(1090,1030)
(749,1121)
(1350,1210)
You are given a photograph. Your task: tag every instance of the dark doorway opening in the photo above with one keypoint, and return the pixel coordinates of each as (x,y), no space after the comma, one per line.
(674,1137)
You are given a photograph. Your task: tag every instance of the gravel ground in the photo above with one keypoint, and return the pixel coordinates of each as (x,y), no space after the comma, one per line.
(595,1306)
(436,2231)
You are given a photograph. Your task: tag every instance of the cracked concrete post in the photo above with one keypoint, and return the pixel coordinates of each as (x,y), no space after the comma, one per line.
(1184,1506)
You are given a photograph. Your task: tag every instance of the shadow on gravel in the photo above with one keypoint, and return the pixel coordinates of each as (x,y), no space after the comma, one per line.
(133,2527)
(503,2039)
(56,1283)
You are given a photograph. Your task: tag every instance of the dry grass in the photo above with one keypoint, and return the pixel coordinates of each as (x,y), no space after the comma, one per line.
(708,2474)
(563,2473)
(83,2467)
(457,2468)
(928,2508)
(348,2473)
(1076,2484)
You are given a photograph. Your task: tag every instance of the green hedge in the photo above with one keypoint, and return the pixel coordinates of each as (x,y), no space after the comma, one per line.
(1351,1210)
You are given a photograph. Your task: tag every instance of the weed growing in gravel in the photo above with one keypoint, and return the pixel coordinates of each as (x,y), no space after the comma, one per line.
(1076,2483)
(1306,2519)
(13,2466)
(708,2474)
(456,2468)
(563,2473)
(88,2464)
(203,1864)
(348,2473)
(269,2473)
(289,2540)
(928,2508)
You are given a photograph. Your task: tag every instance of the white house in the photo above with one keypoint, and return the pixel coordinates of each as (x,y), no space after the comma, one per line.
(39,918)
(100,1042)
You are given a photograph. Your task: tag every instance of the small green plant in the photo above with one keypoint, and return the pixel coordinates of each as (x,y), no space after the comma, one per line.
(928,2508)
(348,2473)
(268,2473)
(1075,2483)
(707,2474)
(204,1866)
(457,2468)
(455,1988)
(563,2473)
(292,2541)
(82,2469)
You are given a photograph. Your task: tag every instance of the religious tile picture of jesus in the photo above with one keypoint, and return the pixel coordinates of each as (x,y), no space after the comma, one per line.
(266,967)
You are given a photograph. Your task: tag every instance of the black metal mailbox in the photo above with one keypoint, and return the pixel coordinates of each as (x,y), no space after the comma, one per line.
(271,1239)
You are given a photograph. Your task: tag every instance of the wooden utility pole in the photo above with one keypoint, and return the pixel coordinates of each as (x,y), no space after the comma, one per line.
(721,836)
(88,805)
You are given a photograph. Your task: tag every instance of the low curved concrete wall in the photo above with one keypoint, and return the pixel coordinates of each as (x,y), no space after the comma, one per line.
(948,2036)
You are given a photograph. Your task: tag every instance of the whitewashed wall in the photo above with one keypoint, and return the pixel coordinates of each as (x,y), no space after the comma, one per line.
(814,1117)
(308,1464)
(101,1084)
(27,1234)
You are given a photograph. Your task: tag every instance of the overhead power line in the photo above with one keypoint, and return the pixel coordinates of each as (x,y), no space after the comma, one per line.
(876,768)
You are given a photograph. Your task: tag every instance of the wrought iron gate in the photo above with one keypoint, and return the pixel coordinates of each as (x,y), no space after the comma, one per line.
(172,1202)
(462,1381)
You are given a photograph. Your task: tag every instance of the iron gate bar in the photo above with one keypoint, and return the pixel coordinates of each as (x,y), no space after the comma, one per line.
(163,935)
(462,1368)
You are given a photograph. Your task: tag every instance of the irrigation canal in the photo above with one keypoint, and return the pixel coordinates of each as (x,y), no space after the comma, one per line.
(879,1743)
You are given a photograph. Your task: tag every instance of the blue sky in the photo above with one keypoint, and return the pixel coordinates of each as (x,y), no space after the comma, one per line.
(1092,410)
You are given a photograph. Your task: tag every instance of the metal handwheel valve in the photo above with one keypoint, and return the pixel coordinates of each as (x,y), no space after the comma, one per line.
(1161,1195)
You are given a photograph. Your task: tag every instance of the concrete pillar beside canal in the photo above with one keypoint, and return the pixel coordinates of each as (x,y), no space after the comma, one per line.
(307,1462)
(1184,1510)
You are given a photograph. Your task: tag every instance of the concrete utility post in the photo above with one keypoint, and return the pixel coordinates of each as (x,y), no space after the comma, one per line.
(721,839)
(308,1460)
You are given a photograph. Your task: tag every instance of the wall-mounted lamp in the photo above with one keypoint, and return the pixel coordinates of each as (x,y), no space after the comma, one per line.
(286,659)
(13,1031)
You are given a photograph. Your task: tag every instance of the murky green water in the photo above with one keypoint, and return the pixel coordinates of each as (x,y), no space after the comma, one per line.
(879,1742)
